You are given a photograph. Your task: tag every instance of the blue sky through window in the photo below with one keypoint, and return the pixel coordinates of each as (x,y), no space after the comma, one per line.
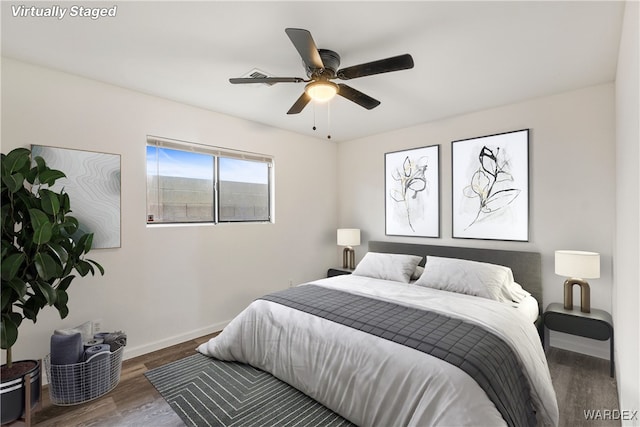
(243,171)
(186,164)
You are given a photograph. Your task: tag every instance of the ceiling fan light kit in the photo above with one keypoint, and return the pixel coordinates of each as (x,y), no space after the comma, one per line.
(321,91)
(321,66)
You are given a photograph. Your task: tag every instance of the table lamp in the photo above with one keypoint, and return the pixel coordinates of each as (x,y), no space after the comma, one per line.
(577,266)
(348,237)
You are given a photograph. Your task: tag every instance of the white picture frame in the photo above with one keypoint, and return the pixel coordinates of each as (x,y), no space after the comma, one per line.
(412,192)
(490,187)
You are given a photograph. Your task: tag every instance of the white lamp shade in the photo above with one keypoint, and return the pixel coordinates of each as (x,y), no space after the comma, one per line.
(348,236)
(578,264)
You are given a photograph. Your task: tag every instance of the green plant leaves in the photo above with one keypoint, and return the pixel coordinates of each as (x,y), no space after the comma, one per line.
(64,283)
(18,286)
(50,176)
(41,165)
(83,268)
(13,182)
(16,160)
(38,253)
(61,254)
(50,201)
(6,298)
(46,267)
(42,228)
(70,225)
(98,266)
(42,174)
(32,307)
(61,303)
(85,242)
(45,290)
(9,329)
(11,265)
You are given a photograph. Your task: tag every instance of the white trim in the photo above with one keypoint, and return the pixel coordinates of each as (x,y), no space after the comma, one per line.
(130,353)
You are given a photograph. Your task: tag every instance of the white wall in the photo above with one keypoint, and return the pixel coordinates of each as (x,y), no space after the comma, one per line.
(165,285)
(572,184)
(626,295)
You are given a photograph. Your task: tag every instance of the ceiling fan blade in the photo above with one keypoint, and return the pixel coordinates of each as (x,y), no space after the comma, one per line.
(268,80)
(306,47)
(300,103)
(395,63)
(358,97)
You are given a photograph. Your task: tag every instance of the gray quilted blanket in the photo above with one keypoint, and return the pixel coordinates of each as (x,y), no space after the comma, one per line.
(478,352)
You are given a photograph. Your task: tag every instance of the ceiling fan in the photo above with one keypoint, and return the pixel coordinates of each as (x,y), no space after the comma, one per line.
(321,66)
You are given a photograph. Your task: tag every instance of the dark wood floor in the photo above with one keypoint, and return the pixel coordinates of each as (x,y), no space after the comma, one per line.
(581,383)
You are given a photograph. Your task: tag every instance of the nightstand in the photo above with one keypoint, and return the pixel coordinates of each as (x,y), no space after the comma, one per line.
(597,325)
(338,271)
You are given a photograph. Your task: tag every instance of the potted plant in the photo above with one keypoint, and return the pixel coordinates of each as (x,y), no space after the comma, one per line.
(39,256)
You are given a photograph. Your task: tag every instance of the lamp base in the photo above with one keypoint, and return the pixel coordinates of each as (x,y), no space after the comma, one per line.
(585,294)
(348,258)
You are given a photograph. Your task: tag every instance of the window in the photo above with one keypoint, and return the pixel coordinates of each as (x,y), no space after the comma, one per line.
(192,183)
(243,189)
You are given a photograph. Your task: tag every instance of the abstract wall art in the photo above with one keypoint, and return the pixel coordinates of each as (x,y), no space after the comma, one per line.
(490,187)
(412,192)
(93,185)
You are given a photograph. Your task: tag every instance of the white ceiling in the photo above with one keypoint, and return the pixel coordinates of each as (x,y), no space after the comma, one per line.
(468,56)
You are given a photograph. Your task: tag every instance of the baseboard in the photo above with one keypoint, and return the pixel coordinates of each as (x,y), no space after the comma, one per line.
(131,352)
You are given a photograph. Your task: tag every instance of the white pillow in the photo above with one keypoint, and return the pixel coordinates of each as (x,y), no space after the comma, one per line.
(417,273)
(468,277)
(517,293)
(396,267)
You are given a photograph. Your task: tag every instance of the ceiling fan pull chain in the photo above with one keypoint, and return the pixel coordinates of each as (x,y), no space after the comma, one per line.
(329,120)
(314,116)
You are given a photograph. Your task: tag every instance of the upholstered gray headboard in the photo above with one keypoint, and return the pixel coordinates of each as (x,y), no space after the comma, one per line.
(526,266)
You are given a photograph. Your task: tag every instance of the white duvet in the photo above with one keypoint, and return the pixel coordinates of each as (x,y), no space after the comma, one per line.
(375,382)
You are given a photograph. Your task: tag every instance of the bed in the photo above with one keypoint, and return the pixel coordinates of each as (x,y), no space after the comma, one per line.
(395,345)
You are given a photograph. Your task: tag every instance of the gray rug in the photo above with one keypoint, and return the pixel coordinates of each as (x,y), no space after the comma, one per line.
(209,392)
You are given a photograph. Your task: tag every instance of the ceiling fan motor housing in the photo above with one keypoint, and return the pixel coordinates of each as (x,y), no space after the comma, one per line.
(331,61)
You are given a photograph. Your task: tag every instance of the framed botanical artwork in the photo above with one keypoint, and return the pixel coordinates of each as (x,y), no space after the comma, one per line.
(412,192)
(490,187)
(93,185)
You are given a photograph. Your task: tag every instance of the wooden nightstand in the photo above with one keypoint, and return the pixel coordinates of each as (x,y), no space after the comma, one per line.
(338,271)
(597,325)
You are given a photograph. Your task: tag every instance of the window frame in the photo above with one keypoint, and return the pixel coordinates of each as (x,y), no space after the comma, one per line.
(216,153)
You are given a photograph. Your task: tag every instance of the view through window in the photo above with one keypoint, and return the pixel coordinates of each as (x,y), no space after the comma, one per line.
(190,183)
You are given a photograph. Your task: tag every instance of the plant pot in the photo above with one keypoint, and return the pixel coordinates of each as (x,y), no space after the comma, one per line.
(12,393)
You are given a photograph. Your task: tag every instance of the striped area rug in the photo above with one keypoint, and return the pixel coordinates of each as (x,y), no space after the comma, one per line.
(209,392)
